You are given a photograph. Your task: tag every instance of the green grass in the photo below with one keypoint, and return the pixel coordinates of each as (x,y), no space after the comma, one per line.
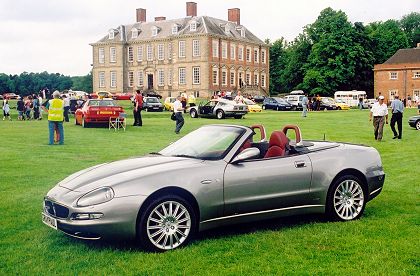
(384,241)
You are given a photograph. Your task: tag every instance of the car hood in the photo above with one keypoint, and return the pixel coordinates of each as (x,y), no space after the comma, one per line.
(114,173)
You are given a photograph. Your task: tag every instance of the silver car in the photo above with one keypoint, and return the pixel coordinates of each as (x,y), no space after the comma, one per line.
(214,176)
(219,108)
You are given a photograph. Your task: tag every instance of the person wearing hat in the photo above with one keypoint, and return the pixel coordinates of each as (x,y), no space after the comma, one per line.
(379,112)
(397,107)
(55,109)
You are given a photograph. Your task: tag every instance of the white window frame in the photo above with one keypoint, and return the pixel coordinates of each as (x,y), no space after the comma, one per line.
(416,75)
(130,54)
(161,77)
(215,76)
(232,78)
(170,50)
(130,78)
(170,74)
(161,52)
(113,79)
(263,56)
(193,26)
(101,78)
(255,78)
(215,48)
(247,78)
(175,29)
(196,75)
(243,33)
(140,78)
(256,55)
(248,54)
(181,49)
(241,53)
(392,93)
(182,76)
(196,48)
(155,31)
(140,53)
(393,75)
(263,78)
(224,77)
(134,33)
(112,54)
(232,51)
(101,55)
(111,34)
(224,50)
(149,52)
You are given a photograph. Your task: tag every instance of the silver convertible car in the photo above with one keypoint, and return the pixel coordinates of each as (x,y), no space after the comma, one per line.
(219,108)
(214,176)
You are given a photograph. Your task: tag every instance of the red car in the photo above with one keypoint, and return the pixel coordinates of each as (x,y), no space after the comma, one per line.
(97,111)
(10,96)
(122,96)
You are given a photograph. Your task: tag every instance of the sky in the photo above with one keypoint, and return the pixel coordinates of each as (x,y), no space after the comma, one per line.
(54,35)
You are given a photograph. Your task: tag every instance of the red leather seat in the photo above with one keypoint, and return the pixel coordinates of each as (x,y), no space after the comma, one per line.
(277,144)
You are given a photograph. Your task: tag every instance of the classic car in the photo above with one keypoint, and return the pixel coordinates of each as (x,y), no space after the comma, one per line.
(341,105)
(252,106)
(414,121)
(327,104)
(230,174)
(219,108)
(168,104)
(152,104)
(153,94)
(96,111)
(10,96)
(122,96)
(276,103)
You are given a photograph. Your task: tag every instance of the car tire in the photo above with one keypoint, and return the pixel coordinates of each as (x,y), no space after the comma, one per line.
(193,113)
(346,198)
(338,108)
(166,223)
(278,108)
(75,121)
(418,125)
(84,123)
(263,107)
(220,114)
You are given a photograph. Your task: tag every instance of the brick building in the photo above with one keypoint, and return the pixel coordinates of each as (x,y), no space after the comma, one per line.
(196,54)
(399,75)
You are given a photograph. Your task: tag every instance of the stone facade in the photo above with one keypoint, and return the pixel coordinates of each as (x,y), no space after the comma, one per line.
(199,55)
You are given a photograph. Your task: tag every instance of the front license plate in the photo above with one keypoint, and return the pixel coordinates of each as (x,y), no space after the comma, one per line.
(50,221)
(105,112)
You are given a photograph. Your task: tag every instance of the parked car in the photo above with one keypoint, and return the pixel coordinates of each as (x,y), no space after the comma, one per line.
(258,98)
(276,103)
(228,176)
(168,104)
(96,111)
(75,104)
(152,104)
(327,104)
(102,95)
(295,101)
(11,96)
(153,94)
(219,108)
(341,105)
(414,121)
(122,96)
(252,106)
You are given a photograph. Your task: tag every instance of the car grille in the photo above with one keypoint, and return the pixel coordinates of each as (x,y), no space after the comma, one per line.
(56,210)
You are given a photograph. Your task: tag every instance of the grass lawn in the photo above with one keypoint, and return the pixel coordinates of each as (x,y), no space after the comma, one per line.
(384,241)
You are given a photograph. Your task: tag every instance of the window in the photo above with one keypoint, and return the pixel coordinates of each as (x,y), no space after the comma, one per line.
(241,53)
(175,29)
(111,34)
(224,78)
(416,92)
(193,26)
(224,50)
(416,75)
(182,76)
(170,50)
(113,78)
(215,47)
(393,75)
(232,78)
(140,53)
(263,56)
(215,76)
(181,50)
(248,78)
(161,51)
(263,80)
(170,73)
(134,33)
(392,94)
(256,54)
(112,54)
(196,48)
(101,79)
(149,52)
(241,79)
(155,31)
(101,55)
(255,79)
(232,52)
(130,78)
(196,75)
(161,77)
(248,55)
(243,34)
(140,82)
(130,54)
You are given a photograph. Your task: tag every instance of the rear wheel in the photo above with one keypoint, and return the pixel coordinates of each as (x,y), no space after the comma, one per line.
(346,198)
(167,223)
(418,125)
(220,114)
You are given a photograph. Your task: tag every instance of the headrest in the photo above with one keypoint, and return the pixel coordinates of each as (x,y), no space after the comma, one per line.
(278,138)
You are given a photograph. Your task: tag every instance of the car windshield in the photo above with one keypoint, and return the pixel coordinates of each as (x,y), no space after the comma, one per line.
(152,100)
(279,100)
(207,143)
(102,103)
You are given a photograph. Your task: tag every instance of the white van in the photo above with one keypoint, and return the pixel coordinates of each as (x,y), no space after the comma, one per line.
(349,97)
(295,101)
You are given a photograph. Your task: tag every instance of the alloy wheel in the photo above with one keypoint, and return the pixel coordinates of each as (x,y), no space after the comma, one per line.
(348,199)
(418,125)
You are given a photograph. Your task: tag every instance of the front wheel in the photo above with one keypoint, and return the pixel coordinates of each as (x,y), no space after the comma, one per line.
(167,223)
(346,198)
(418,125)
(220,114)
(193,113)
(339,108)
(263,107)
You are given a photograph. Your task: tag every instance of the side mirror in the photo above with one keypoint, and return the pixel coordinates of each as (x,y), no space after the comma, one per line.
(246,154)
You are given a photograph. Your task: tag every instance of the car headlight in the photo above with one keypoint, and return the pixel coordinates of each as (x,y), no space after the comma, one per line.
(95,197)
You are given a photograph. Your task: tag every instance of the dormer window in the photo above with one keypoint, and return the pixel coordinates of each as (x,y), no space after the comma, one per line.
(155,30)
(111,34)
(242,31)
(134,33)
(193,26)
(175,29)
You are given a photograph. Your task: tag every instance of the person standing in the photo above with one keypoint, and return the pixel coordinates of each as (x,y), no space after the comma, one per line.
(35,104)
(66,108)
(305,103)
(379,112)
(397,115)
(40,104)
(318,102)
(138,105)
(55,109)
(239,98)
(6,110)
(179,122)
(20,106)
(409,102)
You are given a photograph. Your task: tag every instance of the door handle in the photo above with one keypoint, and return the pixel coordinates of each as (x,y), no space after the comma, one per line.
(300,164)
(207,181)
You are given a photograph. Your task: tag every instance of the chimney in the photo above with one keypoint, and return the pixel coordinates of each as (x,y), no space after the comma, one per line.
(191,9)
(160,18)
(141,15)
(234,15)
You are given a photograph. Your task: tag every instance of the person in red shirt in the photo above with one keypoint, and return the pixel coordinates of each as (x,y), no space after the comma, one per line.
(138,105)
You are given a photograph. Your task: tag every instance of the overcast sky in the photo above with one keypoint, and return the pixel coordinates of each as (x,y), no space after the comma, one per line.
(54,35)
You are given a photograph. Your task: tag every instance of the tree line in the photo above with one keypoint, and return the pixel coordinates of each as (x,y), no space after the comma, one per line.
(30,83)
(334,54)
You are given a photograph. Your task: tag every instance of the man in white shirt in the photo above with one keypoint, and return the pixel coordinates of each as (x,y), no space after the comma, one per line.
(66,107)
(178,109)
(379,112)
(239,98)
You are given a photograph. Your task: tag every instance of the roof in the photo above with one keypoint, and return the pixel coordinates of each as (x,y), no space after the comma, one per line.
(405,56)
(205,25)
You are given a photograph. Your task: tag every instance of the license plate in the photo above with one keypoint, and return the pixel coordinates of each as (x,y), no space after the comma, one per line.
(50,221)
(105,112)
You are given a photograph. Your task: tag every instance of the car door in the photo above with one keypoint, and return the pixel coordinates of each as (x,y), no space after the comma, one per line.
(267,184)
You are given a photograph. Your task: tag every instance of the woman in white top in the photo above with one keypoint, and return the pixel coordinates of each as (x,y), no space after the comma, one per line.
(6,110)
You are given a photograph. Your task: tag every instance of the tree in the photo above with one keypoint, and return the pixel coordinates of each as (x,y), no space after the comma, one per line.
(277,65)
(82,83)
(410,24)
